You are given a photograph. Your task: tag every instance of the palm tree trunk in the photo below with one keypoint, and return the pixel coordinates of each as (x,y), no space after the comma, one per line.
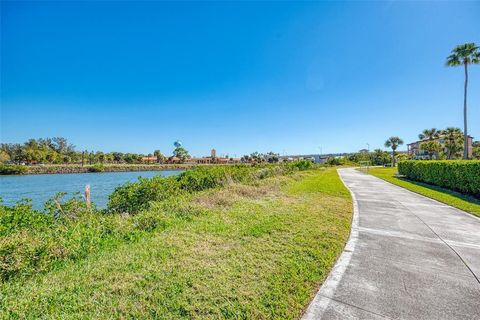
(465,134)
(393,158)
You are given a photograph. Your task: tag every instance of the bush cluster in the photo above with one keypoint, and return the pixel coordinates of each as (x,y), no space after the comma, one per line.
(300,165)
(458,175)
(12,169)
(96,168)
(135,197)
(34,241)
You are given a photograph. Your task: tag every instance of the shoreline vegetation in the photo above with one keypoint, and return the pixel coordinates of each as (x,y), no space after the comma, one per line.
(77,168)
(219,242)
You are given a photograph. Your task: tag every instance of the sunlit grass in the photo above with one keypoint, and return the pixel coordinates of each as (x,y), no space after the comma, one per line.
(255,251)
(449,197)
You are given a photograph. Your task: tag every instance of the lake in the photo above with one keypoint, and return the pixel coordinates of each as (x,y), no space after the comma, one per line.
(40,188)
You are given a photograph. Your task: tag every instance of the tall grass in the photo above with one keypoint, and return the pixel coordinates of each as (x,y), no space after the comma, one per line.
(135,197)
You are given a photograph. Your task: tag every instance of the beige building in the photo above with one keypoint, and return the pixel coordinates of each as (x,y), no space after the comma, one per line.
(213,159)
(149,159)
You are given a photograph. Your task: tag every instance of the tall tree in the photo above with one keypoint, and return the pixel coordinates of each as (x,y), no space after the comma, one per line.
(380,157)
(100,157)
(4,157)
(393,142)
(117,156)
(431,147)
(476,150)
(463,55)
(181,153)
(429,134)
(453,139)
(160,156)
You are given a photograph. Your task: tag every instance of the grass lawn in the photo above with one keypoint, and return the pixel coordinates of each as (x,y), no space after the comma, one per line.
(255,251)
(449,197)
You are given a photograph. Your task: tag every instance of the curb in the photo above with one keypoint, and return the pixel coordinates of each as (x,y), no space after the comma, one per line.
(320,302)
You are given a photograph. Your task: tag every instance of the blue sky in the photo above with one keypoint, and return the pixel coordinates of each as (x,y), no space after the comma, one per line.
(238,76)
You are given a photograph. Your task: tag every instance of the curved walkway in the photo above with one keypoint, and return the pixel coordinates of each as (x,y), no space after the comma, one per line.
(408,257)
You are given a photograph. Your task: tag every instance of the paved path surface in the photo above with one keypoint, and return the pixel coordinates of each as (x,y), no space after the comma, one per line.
(408,257)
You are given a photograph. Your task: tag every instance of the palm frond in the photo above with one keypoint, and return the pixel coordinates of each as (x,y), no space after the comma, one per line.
(464,54)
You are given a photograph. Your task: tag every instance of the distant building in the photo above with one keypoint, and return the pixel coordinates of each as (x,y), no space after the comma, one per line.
(364,151)
(213,159)
(149,159)
(174,160)
(414,150)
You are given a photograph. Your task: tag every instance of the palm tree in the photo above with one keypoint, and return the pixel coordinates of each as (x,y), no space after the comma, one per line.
(431,147)
(464,54)
(430,134)
(453,141)
(158,155)
(393,142)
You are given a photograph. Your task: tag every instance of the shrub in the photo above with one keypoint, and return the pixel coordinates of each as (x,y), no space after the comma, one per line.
(96,168)
(34,241)
(12,169)
(212,177)
(134,197)
(21,216)
(301,165)
(458,175)
(336,161)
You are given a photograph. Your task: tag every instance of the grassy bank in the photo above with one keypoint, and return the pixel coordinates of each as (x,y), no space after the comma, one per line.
(256,248)
(455,199)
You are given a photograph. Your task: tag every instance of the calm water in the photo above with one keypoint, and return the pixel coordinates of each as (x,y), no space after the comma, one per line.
(40,188)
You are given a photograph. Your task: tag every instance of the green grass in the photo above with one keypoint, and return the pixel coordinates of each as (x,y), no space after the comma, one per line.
(455,199)
(251,251)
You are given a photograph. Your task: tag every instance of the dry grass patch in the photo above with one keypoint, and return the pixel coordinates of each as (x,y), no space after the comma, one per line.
(234,192)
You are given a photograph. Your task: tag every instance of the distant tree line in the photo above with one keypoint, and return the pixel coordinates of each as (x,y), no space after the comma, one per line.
(269,157)
(59,151)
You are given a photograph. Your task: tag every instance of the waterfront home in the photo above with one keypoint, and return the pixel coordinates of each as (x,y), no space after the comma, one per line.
(414,150)
(149,159)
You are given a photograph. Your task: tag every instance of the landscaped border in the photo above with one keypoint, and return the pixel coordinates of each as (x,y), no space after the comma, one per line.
(455,199)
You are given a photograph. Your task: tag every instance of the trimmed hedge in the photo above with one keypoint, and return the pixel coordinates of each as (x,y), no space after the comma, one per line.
(459,175)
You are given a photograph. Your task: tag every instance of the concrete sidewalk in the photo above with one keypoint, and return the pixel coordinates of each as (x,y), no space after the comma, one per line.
(408,257)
